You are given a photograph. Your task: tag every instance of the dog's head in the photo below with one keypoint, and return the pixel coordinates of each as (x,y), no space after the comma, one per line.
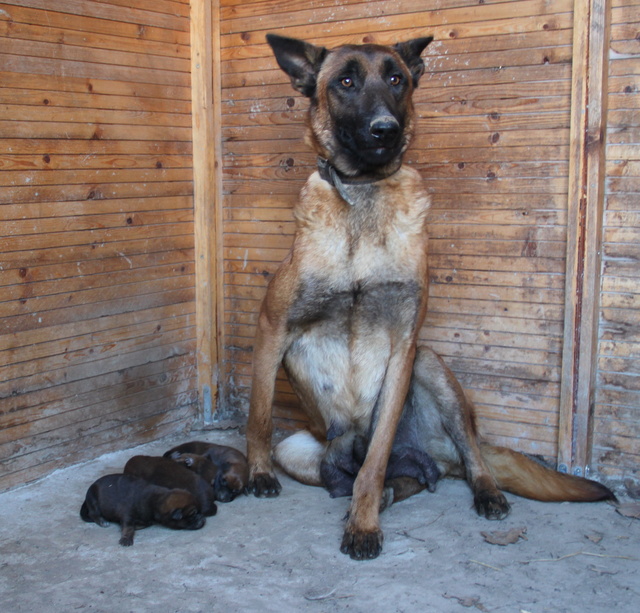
(178,509)
(361,113)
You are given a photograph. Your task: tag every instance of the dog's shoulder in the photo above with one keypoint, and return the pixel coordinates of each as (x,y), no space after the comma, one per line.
(409,190)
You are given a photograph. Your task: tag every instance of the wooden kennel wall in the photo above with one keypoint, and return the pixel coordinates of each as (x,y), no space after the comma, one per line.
(150,154)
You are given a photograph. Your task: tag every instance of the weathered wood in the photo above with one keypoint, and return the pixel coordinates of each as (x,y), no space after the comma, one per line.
(97,273)
(206,122)
(585,206)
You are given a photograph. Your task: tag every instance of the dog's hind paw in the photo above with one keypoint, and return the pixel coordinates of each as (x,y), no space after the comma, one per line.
(362,545)
(264,485)
(491,505)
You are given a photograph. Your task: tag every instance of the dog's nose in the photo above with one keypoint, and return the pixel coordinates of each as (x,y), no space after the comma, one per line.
(385,129)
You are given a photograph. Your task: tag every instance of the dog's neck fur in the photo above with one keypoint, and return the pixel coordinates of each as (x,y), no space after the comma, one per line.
(351,189)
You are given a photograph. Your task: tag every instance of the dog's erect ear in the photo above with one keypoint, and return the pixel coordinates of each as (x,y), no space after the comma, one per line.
(410,52)
(299,59)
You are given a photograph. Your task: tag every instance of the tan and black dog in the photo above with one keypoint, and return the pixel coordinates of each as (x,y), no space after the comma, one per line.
(231,476)
(167,473)
(135,503)
(343,311)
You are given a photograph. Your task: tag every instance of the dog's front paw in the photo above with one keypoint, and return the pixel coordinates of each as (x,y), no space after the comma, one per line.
(491,505)
(362,545)
(264,485)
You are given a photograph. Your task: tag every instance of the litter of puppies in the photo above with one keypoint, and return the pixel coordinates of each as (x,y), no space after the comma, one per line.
(178,490)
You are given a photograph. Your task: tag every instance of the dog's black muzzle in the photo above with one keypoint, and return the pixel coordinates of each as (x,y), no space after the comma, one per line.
(385,131)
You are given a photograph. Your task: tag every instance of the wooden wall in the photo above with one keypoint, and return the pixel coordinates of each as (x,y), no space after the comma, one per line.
(499,122)
(616,439)
(97,325)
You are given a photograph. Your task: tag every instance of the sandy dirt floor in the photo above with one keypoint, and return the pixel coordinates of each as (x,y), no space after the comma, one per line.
(283,554)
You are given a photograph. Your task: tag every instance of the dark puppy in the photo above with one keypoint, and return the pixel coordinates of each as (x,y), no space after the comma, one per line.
(134,503)
(165,472)
(232,475)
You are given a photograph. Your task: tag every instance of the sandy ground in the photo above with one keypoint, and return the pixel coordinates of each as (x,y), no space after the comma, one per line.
(283,554)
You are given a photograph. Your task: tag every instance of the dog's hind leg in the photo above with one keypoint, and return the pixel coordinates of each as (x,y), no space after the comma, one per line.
(435,389)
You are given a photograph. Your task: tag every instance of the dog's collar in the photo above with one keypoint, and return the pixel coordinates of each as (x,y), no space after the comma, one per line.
(342,183)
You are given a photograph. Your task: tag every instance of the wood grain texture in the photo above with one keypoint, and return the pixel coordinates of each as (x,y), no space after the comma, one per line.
(97,266)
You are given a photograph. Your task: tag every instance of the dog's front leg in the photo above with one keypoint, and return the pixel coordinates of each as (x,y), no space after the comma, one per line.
(270,345)
(362,536)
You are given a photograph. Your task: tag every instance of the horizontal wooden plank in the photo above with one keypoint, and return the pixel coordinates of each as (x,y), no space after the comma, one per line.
(124,93)
(96,191)
(117,300)
(149,224)
(17,178)
(48,63)
(24,26)
(58,293)
(21,262)
(35,162)
(112,12)
(46,113)
(90,148)
(16,129)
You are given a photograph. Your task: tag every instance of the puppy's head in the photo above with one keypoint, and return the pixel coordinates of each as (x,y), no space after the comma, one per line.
(231,481)
(178,509)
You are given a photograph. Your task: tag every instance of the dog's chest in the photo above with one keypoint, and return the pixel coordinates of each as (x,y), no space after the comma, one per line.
(359,266)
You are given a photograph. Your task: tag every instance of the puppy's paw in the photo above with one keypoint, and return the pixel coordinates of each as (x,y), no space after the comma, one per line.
(492,505)
(126,541)
(264,485)
(362,545)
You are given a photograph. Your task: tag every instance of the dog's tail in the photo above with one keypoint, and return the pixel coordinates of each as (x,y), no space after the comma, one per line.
(518,474)
(300,456)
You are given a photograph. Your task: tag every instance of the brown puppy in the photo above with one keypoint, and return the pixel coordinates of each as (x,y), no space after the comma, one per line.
(199,464)
(232,476)
(166,473)
(134,503)
(343,312)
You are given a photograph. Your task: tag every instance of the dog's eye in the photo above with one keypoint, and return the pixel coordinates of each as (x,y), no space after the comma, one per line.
(395,79)
(346,82)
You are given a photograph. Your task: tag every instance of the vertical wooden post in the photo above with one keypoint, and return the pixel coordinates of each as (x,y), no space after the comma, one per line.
(584,232)
(205,61)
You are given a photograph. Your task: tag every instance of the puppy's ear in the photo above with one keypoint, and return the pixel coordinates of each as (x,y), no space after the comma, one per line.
(410,52)
(299,59)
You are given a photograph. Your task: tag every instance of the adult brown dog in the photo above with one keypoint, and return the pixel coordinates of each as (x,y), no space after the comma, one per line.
(224,467)
(167,473)
(134,503)
(344,309)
